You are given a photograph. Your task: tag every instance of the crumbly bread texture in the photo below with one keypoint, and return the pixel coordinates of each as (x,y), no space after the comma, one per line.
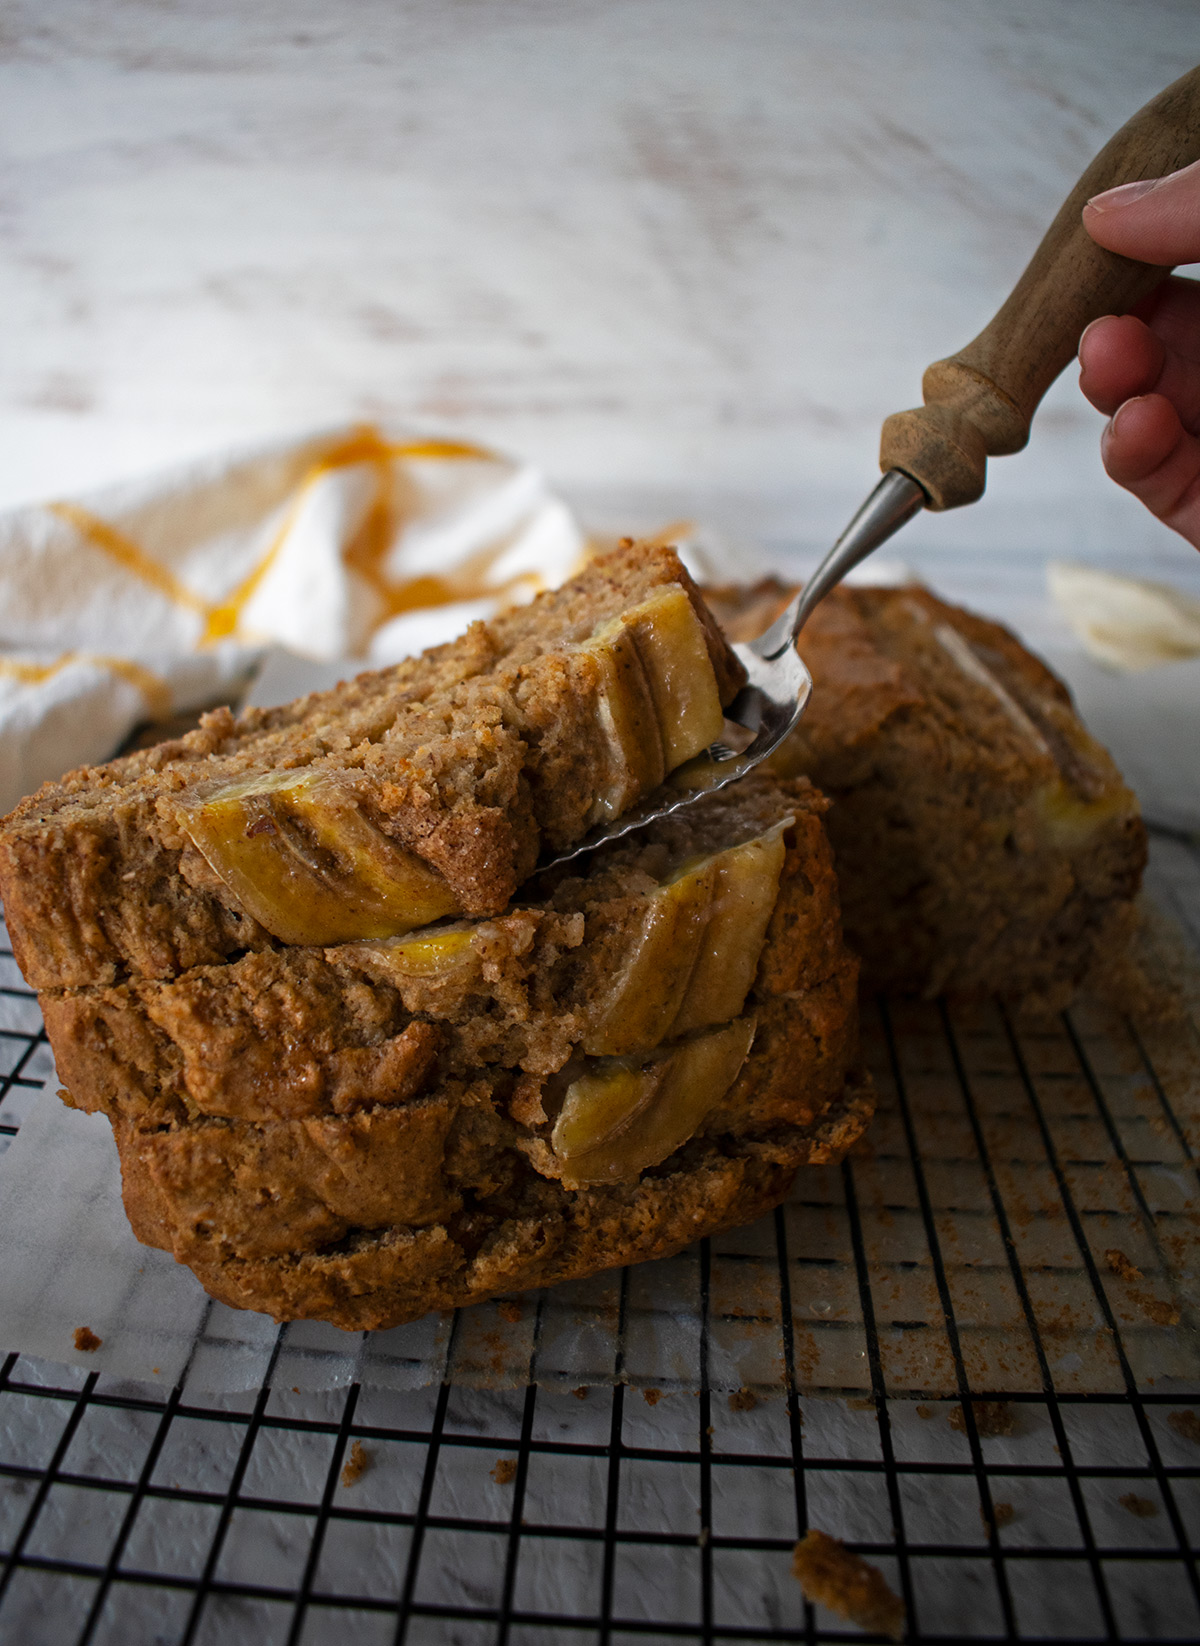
(430,786)
(985,842)
(363,1132)
(832,1575)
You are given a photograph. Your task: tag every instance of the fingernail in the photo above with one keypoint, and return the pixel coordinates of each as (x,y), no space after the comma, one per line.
(1083,337)
(1123,195)
(1120,412)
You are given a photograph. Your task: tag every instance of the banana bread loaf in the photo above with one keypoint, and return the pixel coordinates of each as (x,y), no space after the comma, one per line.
(639,1053)
(985,843)
(398,798)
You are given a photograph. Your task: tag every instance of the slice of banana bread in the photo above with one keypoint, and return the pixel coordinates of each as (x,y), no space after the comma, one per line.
(400,797)
(985,842)
(639,1054)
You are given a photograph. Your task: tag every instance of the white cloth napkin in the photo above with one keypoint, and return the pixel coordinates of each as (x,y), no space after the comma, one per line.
(160,595)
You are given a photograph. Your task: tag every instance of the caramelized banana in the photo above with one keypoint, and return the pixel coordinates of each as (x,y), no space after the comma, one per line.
(674,653)
(602,1103)
(1067,820)
(429,955)
(693,959)
(658,701)
(640,1004)
(747,885)
(299,856)
(629,719)
(622,1116)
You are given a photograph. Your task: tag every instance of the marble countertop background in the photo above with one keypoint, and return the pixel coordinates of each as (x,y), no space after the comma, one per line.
(686,255)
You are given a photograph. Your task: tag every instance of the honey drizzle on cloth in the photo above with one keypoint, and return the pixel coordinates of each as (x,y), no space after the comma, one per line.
(365,554)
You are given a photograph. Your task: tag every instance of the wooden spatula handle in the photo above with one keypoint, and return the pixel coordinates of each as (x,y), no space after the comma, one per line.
(979,403)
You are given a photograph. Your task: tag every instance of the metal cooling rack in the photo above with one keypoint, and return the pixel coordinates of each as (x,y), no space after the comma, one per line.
(960,1255)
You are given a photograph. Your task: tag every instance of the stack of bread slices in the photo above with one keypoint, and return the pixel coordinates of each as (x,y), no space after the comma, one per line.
(361,1058)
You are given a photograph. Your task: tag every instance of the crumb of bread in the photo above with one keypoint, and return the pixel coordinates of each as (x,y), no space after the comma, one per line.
(652,1396)
(356,1465)
(1186,1424)
(832,1575)
(925,1411)
(581,1393)
(1120,1264)
(86,1340)
(1002,1515)
(1144,1508)
(1161,1313)
(992,1417)
(525,1104)
(743,1400)
(510,1311)
(505,1471)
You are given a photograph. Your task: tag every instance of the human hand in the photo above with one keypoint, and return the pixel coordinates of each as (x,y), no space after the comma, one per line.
(1143,368)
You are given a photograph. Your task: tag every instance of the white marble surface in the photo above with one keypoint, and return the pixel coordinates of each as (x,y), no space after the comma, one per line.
(685,254)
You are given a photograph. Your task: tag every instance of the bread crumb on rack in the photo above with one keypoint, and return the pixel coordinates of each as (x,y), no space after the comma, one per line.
(832,1575)
(1185,1424)
(992,1417)
(1120,1264)
(356,1465)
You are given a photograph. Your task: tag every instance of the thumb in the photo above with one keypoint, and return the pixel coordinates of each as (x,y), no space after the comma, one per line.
(1155,221)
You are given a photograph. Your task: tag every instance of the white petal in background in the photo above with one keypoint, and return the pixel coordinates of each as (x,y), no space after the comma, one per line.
(1126,622)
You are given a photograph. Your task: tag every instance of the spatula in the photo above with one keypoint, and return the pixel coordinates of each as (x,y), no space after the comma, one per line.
(978,404)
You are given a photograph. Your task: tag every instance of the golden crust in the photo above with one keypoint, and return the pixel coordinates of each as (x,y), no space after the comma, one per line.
(547,1235)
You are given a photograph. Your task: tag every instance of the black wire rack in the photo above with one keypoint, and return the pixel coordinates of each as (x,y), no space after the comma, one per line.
(959,1259)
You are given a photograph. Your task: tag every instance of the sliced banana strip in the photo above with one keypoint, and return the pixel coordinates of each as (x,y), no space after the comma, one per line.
(621,1116)
(298,854)
(658,699)
(693,958)
(634,1010)
(744,895)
